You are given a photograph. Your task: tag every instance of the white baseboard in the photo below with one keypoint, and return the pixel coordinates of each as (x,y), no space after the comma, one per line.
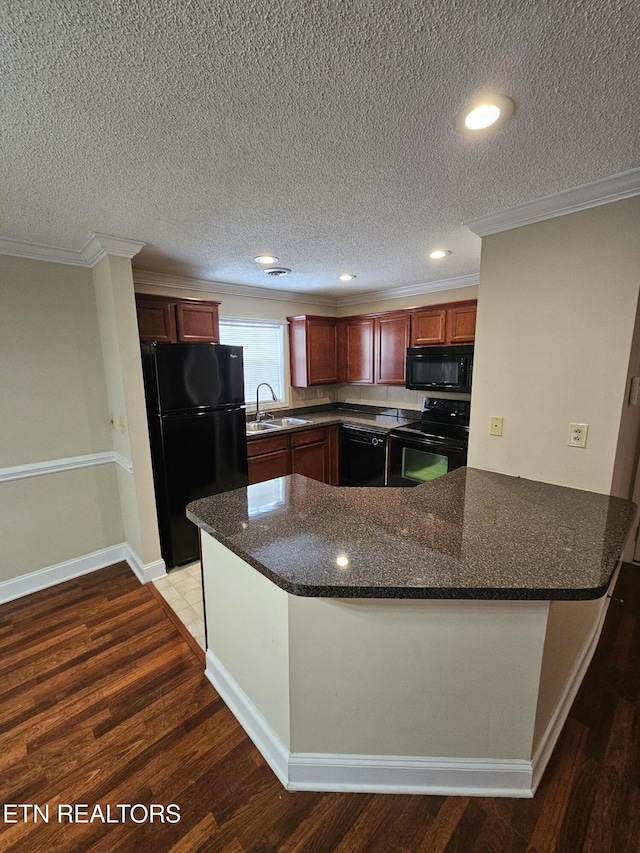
(382,774)
(144,573)
(273,750)
(69,569)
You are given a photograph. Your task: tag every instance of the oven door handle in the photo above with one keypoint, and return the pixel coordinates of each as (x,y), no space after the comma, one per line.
(432,441)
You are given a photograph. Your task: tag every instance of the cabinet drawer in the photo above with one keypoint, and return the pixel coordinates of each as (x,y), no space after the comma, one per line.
(309,436)
(267,445)
(268,466)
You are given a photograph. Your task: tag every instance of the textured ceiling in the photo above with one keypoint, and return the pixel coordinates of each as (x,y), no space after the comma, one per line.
(320,132)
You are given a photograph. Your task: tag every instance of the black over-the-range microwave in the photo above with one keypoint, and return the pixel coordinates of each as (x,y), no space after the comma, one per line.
(440,368)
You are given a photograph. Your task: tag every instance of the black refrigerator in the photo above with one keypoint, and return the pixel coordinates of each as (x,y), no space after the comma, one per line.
(196,414)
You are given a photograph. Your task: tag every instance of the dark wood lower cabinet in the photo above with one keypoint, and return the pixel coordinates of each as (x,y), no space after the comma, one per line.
(269,466)
(269,458)
(312,453)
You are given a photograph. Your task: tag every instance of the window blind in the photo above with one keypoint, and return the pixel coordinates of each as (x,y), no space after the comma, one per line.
(263,355)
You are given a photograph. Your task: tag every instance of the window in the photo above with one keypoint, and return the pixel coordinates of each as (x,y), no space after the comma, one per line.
(263,354)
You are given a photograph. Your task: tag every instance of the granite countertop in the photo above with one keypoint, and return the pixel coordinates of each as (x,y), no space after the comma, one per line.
(382,421)
(470,534)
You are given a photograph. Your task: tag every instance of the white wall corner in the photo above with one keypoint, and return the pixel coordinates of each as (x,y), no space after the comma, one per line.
(145,572)
(100,245)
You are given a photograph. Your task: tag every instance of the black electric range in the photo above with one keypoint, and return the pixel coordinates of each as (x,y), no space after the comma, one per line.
(432,446)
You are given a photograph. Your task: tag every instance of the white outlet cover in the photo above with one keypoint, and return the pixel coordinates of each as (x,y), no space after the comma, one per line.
(578,435)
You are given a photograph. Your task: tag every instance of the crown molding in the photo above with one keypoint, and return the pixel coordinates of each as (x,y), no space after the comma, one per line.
(99,246)
(605,191)
(410,290)
(38,252)
(94,250)
(164,280)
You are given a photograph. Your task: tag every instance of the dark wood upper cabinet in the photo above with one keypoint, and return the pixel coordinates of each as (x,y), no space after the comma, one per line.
(451,323)
(197,321)
(462,323)
(392,340)
(156,319)
(428,327)
(356,350)
(313,350)
(172,320)
(372,348)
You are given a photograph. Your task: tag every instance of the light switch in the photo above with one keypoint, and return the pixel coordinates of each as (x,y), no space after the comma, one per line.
(495,427)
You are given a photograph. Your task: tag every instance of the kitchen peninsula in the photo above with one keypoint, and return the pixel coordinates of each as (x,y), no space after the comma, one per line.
(426,640)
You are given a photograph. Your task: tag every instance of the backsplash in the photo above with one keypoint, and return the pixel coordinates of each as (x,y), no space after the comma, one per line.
(316,395)
(380,395)
(369,395)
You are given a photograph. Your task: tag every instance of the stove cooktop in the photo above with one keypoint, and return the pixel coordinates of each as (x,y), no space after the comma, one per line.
(441,419)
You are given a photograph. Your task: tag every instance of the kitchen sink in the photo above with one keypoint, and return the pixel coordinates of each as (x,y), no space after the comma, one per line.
(275,423)
(261,426)
(288,422)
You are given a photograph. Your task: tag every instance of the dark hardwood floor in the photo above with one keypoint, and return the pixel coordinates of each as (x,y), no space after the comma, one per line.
(102,701)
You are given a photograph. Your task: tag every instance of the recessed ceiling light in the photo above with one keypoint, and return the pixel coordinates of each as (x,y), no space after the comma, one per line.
(347,276)
(266,259)
(486,112)
(438,254)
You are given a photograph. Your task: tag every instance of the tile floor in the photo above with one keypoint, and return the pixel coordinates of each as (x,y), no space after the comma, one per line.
(182,590)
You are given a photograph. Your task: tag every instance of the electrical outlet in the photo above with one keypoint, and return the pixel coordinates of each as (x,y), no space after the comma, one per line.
(301,393)
(578,435)
(495,427)
(319,392)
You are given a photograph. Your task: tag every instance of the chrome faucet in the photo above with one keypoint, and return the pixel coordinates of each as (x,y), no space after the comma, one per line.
(260,414)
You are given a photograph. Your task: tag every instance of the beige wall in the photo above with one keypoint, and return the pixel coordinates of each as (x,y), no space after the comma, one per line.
(54,406)
(556,313)
(570,625)
(377,677)
(248,627)
(113,283)
(54,518)
(52,378)
(357,665)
